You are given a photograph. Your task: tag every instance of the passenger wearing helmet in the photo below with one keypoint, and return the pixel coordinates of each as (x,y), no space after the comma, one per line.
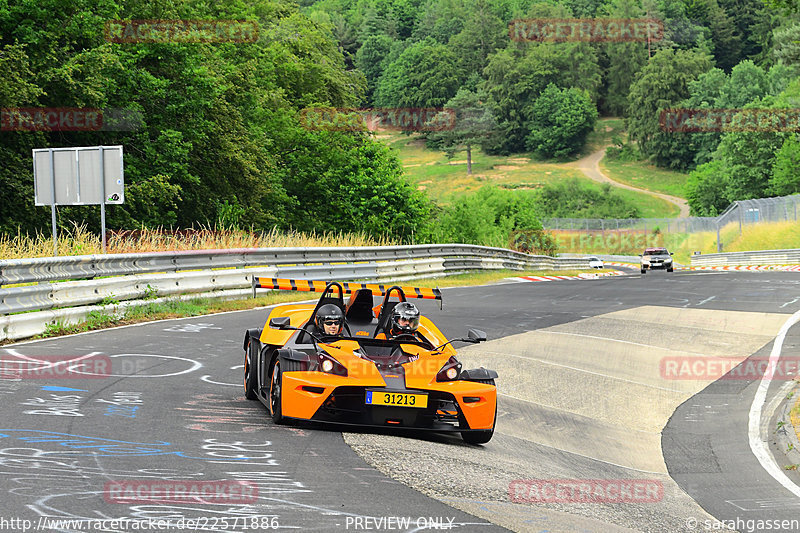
(330,319)
(404,320)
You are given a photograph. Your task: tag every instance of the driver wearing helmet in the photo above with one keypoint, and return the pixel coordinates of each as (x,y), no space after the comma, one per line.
(330,319)
(404,320)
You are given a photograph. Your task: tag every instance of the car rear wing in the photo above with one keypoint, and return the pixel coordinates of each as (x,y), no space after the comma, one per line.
(308,285)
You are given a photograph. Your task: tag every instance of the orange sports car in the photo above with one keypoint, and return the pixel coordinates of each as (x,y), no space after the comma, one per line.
(365,374)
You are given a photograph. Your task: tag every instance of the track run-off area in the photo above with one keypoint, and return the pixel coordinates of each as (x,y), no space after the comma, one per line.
(625,403)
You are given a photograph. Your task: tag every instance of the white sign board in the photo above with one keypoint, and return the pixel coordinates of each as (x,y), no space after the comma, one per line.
(77,177)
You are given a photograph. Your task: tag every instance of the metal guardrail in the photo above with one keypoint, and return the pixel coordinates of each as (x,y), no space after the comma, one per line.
(764,257)
(80,281)
(15,271)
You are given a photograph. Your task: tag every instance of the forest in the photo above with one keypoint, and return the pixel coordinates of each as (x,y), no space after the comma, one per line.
(221,140)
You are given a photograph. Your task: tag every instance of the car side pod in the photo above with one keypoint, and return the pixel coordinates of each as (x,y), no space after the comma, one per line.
(292,359)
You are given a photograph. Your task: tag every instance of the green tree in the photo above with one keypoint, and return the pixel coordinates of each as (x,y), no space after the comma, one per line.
(706,189)
(487,217)
(787,47)
(516,76)
(343,182)
(483,34)
(661,84)
(625,59)
(560,121)
(370,60)
(785,177)
(424,75)
(473,124)
(440,20)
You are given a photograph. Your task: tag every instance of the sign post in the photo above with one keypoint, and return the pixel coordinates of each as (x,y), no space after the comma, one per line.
(79,176)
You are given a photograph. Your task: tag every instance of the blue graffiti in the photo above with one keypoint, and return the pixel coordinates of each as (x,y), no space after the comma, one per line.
(128,411)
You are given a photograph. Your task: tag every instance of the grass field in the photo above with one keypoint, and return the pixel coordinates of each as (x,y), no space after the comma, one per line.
(443,179)
(650,206)
(645,176)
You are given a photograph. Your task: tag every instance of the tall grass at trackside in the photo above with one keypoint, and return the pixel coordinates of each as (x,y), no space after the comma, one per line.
(765,236)
(80,241)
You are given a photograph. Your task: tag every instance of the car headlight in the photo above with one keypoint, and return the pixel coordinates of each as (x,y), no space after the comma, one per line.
(645,261)
(329,365)
(450,371)
(668,260)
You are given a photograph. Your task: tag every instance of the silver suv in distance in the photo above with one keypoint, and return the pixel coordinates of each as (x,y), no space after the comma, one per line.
(656,258)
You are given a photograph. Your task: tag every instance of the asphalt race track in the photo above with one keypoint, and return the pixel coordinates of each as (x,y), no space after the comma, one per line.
(584,395)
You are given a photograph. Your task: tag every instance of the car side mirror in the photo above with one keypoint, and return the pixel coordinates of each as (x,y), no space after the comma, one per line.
(281,322)
(476,335)
(672,253)
(640,255)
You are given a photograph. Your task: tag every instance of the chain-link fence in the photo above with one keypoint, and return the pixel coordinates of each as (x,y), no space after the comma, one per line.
(742,212)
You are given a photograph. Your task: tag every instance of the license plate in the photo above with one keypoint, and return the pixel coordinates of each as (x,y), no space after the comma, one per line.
(398,399)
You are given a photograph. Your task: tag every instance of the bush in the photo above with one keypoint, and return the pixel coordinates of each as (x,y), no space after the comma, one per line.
(486,217)
(573,199)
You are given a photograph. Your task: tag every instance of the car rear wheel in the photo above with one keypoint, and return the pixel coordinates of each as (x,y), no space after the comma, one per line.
(481,437)
(275,392)
(249,371)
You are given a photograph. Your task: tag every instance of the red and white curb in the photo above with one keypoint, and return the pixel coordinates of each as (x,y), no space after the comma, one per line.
(587,275)
(780,268)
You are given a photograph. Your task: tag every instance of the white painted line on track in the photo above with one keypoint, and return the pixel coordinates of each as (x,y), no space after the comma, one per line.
(758,445)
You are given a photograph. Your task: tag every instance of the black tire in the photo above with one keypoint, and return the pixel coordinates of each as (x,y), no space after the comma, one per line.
(250,365)
(481,437)
(644,271)
(276,392)
(670,269)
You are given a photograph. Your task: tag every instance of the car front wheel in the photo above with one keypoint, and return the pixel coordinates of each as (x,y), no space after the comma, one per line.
(275,392)
(250,364)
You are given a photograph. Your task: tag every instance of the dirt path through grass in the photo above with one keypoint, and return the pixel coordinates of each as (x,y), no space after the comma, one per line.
(589,165)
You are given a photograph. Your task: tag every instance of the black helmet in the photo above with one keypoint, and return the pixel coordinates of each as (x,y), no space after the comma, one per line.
(405,319)
(329,313)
